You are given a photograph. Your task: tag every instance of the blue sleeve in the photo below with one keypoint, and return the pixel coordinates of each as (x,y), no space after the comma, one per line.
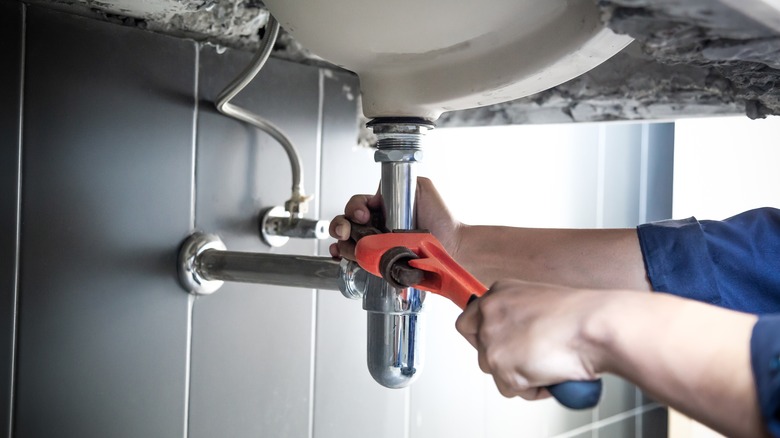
(734,263)
(765,360)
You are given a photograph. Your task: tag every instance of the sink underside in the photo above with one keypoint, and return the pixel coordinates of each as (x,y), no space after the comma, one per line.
(701,57)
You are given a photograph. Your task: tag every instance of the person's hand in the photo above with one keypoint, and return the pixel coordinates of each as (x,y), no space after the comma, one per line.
(431,214)
(531,335)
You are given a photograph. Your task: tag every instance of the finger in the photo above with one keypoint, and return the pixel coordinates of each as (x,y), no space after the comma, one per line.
(346,249)
(340,228)
(542,394)
(505,391)
(375,202)
(533,394)
(357,209)
(468,323)
(511,384)
(334,251)
(482,360)
(508,389)
(426,189)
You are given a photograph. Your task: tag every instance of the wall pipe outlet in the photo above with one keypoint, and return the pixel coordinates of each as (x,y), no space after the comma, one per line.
(277,226)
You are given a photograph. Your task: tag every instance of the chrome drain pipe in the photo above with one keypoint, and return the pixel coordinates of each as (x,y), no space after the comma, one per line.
(395,323)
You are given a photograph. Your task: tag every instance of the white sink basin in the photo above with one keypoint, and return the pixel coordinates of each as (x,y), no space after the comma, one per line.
(419,58)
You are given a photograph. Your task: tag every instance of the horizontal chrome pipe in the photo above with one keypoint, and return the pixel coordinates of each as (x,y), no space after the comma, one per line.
(204,264)
(277,269)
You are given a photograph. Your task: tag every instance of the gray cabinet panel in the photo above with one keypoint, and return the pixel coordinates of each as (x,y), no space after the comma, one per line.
(252,344)
(106,201)
(348,401)
(10,72)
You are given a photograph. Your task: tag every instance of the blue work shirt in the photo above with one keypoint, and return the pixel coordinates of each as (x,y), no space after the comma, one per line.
(734,263)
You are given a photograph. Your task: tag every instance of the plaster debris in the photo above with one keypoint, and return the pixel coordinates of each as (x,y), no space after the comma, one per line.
(231,23)
(629,86)
(690,59)
(738,51)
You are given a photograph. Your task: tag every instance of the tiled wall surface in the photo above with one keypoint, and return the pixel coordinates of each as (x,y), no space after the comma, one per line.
(103,332)
(122,156)
(11,19)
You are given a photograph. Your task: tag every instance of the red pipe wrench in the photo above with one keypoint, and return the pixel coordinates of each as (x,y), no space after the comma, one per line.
(419,260)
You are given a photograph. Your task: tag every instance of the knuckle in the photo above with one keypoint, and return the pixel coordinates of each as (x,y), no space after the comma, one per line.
(493,359)
(529,394)
(489,305)
(354,203)
(506,387)
(485,305)
(483,336)
(356,199)
(461,324)
(483,364)
(542,394)
(504,391)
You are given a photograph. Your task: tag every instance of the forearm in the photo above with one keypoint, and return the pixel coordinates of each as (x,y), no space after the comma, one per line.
(599,259)
(691,356)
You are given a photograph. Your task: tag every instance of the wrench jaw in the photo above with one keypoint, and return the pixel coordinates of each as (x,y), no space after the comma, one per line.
(419,260)
(394,267)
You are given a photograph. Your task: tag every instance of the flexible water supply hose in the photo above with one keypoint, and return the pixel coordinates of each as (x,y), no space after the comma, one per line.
(297,204)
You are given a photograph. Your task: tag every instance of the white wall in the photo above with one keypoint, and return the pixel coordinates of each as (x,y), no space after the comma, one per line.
(724,166)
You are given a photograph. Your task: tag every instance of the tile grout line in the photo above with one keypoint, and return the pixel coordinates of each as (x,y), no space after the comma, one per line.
(193,197)
(638,426)
(18,231)
(407,411)
(195,114)
(610,420)
(318,166)
(644,171)
(601,175)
